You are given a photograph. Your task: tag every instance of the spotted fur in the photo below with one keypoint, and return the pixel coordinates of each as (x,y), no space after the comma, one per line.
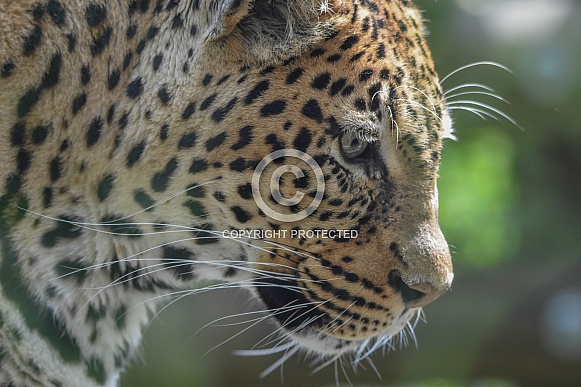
(129,133)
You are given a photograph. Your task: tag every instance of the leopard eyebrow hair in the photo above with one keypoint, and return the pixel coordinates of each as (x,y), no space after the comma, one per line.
(362,127)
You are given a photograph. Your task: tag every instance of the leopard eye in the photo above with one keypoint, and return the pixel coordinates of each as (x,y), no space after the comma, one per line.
(352,146)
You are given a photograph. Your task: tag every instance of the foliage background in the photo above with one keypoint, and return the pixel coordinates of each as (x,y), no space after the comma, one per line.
(510,205)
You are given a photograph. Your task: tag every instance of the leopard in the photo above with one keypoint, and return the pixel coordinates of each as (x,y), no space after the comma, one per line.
(150,147)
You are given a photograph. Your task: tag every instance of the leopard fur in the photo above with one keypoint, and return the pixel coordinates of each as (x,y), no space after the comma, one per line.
(129,133)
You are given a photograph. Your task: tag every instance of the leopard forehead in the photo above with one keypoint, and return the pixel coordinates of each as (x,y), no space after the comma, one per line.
(127,125)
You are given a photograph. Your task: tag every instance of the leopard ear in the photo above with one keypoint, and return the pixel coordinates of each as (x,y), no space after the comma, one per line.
(271,27)
(224,15)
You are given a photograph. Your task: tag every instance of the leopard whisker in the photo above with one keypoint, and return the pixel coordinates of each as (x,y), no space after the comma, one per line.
(486,107)
(475,64)
(466,86)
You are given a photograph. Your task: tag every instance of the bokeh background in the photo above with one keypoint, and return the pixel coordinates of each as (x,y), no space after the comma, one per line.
(510,202)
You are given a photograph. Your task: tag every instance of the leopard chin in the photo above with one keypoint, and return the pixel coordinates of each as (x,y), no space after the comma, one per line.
(312,330)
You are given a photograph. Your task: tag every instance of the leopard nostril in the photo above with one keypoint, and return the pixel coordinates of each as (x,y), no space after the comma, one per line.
(416,295)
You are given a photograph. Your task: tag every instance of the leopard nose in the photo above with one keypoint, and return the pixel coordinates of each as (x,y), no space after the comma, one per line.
(414,295)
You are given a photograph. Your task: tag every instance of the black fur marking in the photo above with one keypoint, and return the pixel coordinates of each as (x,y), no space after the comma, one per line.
(257,92)
(241,214)
(246,137)
(94,131)
(95,14)
(105,187)
(294,76)
(135,88)
(313,111)
(274,108)
(161,180)
(135,154)
(101,42)
(215,141)
(32,41)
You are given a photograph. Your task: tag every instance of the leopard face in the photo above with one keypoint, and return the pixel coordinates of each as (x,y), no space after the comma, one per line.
(132,133)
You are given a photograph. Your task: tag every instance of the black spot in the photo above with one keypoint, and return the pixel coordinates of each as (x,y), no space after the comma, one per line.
(111,113)
(105,187)
(164,132)
(381,51)
(55,168)
(245,191)
(273,108)
(334,58)
(71,42)
(246,138)
(63,230)
(101,42)
(223,79)
(157,61)
(196,191)
(303,140)
(267,70)
(196,208)
(7,69)
(274,142)
(164,95)
(134,88)
(56,12)
(365,75)
(176,261)
(215,141)
(78,103)
(131,31)
(257,92)
(27,101)
(348,90)
(37,12)
(32,41)
(349,42)
(188,140)
(135,154)
(23,158)
(313,111)
(95,14)
(219,196)
(123,121)
(221,113)
(177,23)
(39,134)
(144,200)
(294,76)
(384,74)
(94,131)
(47,197)
(337,86)
(321,81)
(152,33)
(85,75)
(51,77)
(198,165)
(317,52)
(160,181)
(208,102)
(239,165)
(18,134)
(207,79)
(360,104)
(357,56)
(113,79)
(242,215)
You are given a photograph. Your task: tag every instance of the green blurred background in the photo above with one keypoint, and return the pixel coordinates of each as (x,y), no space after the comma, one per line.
(510,206)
